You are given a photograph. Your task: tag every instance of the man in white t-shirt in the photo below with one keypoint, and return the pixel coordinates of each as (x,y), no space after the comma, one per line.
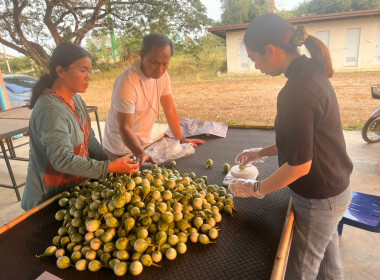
(136,95)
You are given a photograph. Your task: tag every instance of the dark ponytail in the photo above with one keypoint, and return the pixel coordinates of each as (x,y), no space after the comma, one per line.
(64,55)
(46,81)
(320,54)
(272,29)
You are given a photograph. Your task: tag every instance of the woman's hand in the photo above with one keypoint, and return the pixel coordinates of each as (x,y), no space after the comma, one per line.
(123,165)
(248,156)
(244,188)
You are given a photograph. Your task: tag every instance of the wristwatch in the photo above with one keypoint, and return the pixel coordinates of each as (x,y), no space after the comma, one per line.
(256,189)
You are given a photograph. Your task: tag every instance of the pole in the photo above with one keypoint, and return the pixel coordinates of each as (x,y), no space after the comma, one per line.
(4,100)
(112,34)
(6,59)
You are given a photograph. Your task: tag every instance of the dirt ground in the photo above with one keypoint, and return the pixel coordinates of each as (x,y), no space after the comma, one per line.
(251,100)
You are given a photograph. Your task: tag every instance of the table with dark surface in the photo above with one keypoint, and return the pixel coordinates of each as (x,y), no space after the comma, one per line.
(24,113)
(20,113)
(9,128)
(245,249)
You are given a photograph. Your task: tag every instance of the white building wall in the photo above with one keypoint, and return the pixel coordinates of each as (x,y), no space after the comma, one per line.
(233,40)
(337,43)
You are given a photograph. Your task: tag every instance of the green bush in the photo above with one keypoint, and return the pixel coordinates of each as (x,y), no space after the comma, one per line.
(19,65)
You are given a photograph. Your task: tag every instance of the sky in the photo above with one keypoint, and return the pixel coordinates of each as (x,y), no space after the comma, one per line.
(213,11)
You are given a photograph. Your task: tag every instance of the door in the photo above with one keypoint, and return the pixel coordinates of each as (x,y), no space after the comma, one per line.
(377,49)
(324,36)
(244,60)
(352,47)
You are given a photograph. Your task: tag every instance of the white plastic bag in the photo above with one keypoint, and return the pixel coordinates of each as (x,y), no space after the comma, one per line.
(169,149)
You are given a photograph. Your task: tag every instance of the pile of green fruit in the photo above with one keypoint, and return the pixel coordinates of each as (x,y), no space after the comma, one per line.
(126,222)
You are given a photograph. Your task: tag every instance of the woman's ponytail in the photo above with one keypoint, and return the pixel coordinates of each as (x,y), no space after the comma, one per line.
(272,29)
(320,54)
(46,81)
(318,51)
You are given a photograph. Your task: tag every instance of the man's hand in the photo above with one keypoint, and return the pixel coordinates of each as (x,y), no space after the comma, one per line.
(123,165)
(194,142)
(144,157)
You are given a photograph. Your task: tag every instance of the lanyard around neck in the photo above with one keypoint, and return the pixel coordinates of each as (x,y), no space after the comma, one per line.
(149,103)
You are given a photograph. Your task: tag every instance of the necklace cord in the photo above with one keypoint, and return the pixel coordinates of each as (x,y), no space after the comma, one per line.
(150,105)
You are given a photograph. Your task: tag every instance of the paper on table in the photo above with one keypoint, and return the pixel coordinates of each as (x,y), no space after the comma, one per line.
(48,276)
(193,127)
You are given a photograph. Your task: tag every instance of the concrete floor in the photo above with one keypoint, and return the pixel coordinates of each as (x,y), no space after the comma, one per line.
(360,250)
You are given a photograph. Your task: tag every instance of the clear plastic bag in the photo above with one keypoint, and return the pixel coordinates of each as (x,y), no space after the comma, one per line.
(169,149)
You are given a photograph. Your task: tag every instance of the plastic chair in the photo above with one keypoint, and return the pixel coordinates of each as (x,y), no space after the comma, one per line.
(363,212)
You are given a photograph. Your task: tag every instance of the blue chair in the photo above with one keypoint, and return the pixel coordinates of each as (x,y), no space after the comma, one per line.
(363,212)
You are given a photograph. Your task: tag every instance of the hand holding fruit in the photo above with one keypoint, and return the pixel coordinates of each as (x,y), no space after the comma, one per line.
(249,156)
(123,165)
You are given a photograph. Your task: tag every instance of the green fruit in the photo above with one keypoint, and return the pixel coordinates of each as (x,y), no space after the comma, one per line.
(226,167)
(112,222)
(171,254)
(59,216)
(75,256)
(122,255)
(95,243)
(94,265)
(120,268)
(63,202)
(112,263)
(121,243)
(156,256)
(105,258)
(81,265)
(209,163)
(59,253)
(140,245)
(181,248)
(135,268)
(50,251)
(90,255)
(92,225)
(63,262)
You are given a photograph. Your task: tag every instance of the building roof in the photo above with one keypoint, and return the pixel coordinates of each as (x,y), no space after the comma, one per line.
(222,30)
(7,56)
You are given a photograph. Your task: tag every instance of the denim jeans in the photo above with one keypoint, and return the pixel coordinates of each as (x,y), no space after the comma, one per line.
(314,252)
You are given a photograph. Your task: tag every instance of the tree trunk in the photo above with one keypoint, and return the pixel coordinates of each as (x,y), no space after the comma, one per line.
(270,5)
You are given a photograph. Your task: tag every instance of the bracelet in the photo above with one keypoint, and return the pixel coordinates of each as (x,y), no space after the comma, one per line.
(256,189)
(182,139)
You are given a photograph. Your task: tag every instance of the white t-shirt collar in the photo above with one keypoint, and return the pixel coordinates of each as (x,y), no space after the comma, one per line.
(137,68)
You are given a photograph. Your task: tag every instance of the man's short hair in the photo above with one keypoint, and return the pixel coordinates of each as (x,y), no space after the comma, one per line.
(158,39)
